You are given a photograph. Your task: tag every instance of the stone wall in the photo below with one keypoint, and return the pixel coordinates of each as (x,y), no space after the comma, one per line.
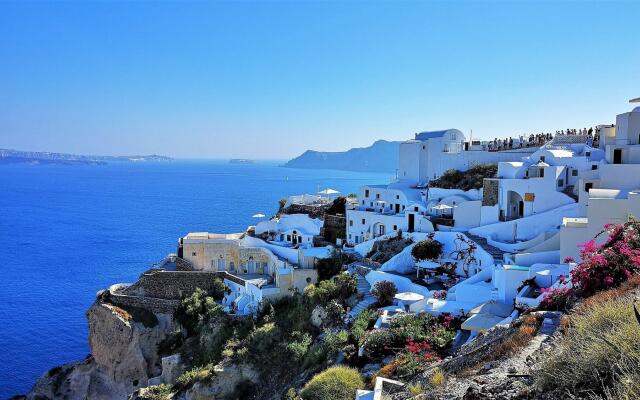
(155,305)
(335,226)
(171,285)
(315,211)
(490,192)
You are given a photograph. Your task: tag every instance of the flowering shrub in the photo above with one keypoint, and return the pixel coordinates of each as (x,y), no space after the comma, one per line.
(557,299)
(440,294)
(611,263)
(415,357)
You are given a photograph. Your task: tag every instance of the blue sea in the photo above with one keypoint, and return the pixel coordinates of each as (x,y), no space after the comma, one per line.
(69,231)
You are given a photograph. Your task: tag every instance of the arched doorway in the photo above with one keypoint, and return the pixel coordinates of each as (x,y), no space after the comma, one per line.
(378,229)
(515,205)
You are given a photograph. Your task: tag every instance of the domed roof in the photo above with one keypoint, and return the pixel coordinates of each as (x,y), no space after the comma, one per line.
(636,110)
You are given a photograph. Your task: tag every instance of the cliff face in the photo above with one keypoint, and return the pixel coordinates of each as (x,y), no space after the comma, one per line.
(124,356)
(381,156)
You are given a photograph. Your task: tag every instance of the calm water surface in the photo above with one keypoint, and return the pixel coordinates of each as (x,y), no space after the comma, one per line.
(73,230)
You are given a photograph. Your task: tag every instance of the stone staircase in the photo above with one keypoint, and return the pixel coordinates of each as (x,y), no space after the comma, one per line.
(364,288)
(496,253)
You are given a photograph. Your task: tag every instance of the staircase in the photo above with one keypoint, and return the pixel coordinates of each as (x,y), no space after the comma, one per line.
(496,253)
(364,288)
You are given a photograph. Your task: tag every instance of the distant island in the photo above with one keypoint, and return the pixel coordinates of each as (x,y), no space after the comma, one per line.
(381,156)
(8,156)
(241,161)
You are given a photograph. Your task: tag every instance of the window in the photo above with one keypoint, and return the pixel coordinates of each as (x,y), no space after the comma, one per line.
(395,227)
(588,154)
(377,195)
(424,147)
(560,182)
(397,197)
(362,202)
(415,209)
(588,186)
(574,172)
(541,173)
(366,193)
(542,158)
(288,238)
(594,167)
(350,222)
(453,136)
(363,221)
(282,238)
(193,254)
(371,204)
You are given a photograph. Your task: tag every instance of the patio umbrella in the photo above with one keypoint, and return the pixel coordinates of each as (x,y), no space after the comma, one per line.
(328,191)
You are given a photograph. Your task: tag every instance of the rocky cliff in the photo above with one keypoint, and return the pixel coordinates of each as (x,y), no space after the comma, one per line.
(381,156)
(124,356)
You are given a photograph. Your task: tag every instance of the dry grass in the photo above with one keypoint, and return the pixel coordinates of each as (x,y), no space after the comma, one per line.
(388,371)
(121,313)
(518,340)
(600,352)
(437,378)
(416,389)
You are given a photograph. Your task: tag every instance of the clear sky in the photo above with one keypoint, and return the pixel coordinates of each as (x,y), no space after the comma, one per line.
(271,79)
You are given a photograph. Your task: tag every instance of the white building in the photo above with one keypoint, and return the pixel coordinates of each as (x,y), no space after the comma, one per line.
(290,229)
(403,205)
(254,270)
(611,192)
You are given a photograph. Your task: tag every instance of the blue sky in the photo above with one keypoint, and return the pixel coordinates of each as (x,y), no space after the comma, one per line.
(271,79)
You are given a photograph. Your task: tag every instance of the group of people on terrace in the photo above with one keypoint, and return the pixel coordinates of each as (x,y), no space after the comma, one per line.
(539,139)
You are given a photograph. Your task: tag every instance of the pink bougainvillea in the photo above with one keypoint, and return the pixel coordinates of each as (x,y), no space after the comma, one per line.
(613,262)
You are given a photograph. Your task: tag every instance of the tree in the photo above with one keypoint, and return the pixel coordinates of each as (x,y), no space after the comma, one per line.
(384,292)
(427,250)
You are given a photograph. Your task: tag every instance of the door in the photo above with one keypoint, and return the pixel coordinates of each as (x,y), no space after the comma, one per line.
(412,222)
(520,209)
(617,156)
(397,208)
(381,230)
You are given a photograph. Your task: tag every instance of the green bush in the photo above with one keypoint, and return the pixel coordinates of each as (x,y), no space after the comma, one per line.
(339,288)
(219,289)
(158,392)
(422,327)
(384,292)
(335,383)
(329,267)
(299,345)
(363,322)
(473,178)
(346,285)
(170,343)
(382,342)
(427,250)
(189,378)
(196,310)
